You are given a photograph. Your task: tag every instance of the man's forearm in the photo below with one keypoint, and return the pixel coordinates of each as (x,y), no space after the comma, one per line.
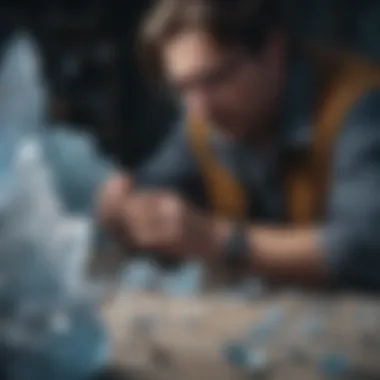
(287,253)
(284,254)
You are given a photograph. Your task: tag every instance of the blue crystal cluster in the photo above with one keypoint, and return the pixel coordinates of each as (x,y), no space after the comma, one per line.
(46,322)
(184,280)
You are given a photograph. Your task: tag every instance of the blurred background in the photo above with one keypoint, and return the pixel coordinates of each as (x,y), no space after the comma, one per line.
(94,81)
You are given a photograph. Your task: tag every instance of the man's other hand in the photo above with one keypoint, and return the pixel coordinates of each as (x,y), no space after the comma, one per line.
(164,222)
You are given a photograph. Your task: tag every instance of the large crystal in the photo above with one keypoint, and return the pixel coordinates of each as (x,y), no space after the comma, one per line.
(47,320)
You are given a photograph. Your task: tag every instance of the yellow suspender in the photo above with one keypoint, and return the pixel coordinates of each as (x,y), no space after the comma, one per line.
(226,194)
(306,182)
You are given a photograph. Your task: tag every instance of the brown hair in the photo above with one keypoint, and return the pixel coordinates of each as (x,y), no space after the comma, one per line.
(235,23)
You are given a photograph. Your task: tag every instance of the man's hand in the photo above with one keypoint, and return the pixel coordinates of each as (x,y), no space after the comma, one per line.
(164,222)
(111,200)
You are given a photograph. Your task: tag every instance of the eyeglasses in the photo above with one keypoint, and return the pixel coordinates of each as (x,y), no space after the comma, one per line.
(213,78)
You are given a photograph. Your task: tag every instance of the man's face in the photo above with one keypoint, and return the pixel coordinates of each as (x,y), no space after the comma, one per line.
(230,90)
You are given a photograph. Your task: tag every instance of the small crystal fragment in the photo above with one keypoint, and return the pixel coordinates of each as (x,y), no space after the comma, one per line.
(257,361)
(334,364)
(236,354)
(140,275)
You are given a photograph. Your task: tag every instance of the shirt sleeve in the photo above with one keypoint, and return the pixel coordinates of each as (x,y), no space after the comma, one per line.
(350,238)
(173,167)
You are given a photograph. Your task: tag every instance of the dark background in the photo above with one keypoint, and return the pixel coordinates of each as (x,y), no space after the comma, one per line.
(88,49)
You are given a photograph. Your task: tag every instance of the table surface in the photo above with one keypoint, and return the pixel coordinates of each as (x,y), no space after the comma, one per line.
(168,338)
(154,336)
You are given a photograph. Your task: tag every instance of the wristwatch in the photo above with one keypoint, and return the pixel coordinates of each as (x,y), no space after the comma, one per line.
(236,247)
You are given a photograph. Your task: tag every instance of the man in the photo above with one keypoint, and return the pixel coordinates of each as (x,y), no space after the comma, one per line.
(256,104)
